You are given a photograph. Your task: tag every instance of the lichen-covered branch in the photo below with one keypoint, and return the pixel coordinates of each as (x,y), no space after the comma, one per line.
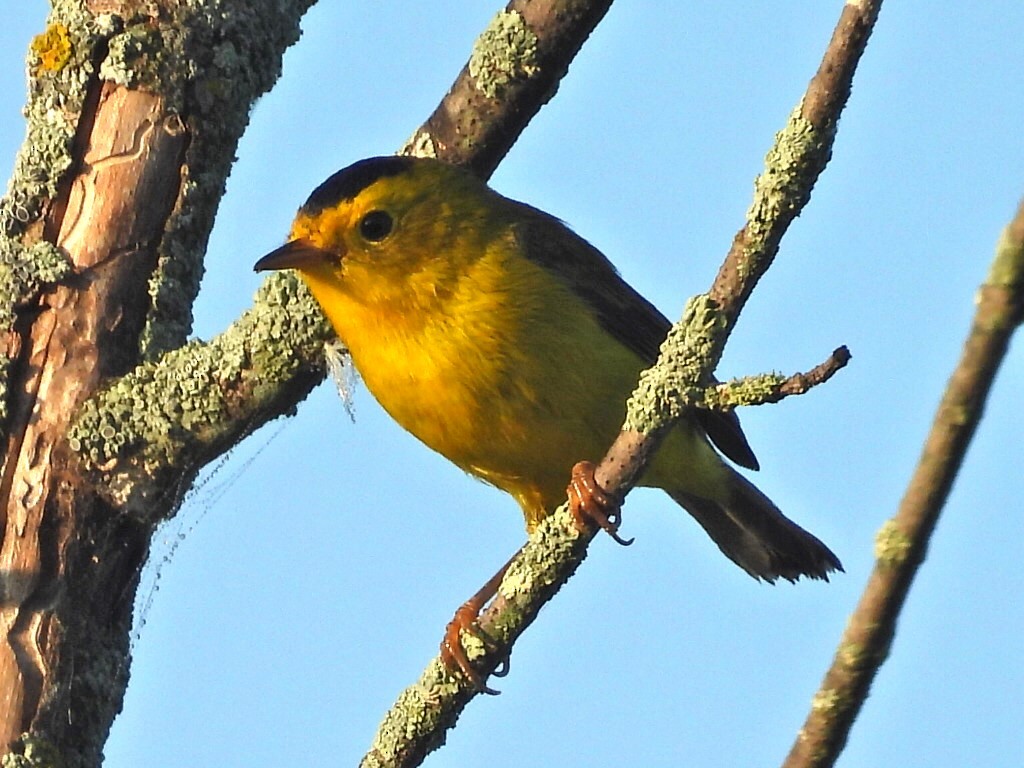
(772,387)
(799,155)
(143,438)
(57,59)
(902,541)
(416,723)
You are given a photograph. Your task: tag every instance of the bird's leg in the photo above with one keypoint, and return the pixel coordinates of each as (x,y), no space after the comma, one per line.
(592,505)
(452,653)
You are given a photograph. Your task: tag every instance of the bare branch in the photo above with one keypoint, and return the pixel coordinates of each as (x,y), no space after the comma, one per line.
(799,383)
(901,543)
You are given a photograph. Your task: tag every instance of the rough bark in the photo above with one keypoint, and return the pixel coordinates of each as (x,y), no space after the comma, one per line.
(82,331)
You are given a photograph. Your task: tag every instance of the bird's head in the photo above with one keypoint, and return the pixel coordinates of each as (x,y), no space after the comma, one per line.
(387,226)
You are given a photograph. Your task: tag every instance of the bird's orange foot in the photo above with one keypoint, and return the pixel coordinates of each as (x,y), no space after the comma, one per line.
(453,655)
(592,505)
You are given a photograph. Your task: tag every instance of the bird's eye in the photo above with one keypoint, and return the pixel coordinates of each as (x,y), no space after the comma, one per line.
(376,225)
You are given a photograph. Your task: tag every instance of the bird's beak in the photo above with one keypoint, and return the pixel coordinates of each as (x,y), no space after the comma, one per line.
(296,254)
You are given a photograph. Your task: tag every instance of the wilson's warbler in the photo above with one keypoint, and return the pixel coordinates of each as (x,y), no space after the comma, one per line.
(507,343)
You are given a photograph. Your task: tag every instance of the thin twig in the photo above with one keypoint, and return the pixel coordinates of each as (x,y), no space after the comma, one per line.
(799,160)
(800,383)
(771,387)
(901,543)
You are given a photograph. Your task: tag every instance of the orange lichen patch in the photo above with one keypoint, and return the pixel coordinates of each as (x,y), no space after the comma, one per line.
(52,48)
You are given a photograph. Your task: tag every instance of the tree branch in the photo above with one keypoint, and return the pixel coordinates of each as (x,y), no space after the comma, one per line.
(416,723)
(902,542)
(144,438)
(795,162)
(513,70)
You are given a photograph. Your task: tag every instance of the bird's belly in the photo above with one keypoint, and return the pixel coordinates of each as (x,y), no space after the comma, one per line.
(518,422)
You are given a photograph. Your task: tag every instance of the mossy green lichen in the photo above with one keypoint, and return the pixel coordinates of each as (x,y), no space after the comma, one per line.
(24,272)
(505,52)
(694,346)
(420,144)
(136,57)
(31,750)
(52,49)
(783,189)
(60,67)
(892,545)
(750,390)
(424,710)
(825,700)
(415,711)
(691,348)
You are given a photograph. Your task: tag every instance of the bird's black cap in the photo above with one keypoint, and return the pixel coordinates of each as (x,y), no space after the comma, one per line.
(350,181)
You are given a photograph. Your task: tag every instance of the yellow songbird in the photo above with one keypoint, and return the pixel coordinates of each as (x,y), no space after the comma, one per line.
(507,343)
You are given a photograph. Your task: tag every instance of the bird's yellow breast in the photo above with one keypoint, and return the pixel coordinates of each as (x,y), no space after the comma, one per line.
(493,368)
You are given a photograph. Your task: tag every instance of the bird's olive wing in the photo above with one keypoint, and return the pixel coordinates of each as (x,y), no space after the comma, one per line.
(624,313)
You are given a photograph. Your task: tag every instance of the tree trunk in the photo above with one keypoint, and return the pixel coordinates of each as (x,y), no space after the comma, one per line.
(122,173)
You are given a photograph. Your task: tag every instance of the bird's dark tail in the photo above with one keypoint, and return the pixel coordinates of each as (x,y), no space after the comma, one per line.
(755,535)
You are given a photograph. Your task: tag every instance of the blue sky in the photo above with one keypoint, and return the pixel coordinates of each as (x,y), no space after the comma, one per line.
(309,580)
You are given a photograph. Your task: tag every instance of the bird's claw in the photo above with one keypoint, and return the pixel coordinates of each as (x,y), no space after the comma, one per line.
(592,505)
(502,669)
